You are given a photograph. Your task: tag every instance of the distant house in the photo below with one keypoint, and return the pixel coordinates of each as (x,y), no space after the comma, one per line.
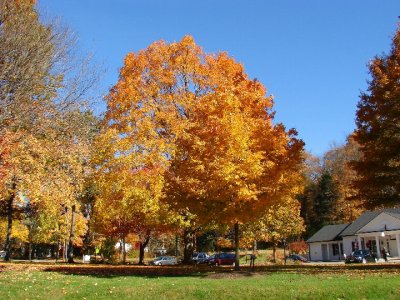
(373,230)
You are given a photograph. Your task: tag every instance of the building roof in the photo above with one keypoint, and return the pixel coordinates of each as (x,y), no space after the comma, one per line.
(394,215)
(327,233)
(367,217)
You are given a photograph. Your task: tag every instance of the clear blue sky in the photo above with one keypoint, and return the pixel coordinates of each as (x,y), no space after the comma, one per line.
(311,55)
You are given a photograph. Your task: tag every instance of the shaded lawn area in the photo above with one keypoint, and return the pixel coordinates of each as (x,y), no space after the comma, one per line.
(30,281)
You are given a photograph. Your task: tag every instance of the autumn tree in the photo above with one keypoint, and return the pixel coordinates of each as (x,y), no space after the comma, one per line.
(146,112)
(277,224)
(128,201)
(378,127)
(311,171)
(337,161)
(208,128)
(130,172)
(41,105)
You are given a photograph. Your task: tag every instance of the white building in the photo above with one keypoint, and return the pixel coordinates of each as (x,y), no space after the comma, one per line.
(373,230)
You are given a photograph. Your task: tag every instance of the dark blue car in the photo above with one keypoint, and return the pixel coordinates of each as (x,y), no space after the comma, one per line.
(296,257)
(361,256)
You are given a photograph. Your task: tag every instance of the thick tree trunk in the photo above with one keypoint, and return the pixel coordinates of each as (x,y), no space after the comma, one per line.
(71,237)
(237,265)
(195,243)
(188,246)
(142,246)
(10,205)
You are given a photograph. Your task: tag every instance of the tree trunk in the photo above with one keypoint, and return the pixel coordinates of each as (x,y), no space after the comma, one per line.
(71,237)
(141,249)
(195,243)
(65,248)
(176,245)
(120,249)
(58,250)
(284,250)
(188,246)
(30,251)
(123,250)
(237,265)
(10,204)
(30,243)
(274,252)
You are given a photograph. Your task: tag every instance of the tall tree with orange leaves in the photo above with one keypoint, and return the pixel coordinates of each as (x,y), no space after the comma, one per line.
(201,119)
(377,133)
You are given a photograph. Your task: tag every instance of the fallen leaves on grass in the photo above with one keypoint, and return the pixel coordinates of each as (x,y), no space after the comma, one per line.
(322,271)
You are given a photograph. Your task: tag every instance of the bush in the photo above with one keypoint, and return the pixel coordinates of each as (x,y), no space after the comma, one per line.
(299,247)
(108,250)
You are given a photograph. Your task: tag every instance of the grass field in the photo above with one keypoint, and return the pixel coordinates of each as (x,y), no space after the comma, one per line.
(30,281)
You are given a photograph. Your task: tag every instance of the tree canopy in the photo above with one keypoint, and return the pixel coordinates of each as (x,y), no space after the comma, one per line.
(200,125)
(378,131)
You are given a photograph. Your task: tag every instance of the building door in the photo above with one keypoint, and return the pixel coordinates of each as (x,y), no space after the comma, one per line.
(324,250)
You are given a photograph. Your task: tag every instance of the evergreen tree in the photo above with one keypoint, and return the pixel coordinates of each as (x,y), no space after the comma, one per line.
(326,200)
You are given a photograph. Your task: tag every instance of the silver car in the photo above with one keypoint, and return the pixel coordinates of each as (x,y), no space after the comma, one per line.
(164,260)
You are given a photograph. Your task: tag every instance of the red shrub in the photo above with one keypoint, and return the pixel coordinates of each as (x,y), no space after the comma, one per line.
(299,247)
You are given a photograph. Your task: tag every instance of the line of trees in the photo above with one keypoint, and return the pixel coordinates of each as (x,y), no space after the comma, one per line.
(45,129)
(187,146)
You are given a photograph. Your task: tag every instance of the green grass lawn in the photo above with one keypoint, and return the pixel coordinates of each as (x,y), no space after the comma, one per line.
(19,281)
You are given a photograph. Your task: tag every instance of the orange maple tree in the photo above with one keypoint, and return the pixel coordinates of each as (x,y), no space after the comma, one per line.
(208,126)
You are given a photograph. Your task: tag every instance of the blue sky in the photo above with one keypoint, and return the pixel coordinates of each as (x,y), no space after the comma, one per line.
(311,55)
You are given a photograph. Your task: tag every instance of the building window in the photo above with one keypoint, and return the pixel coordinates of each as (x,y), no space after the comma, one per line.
(335,248)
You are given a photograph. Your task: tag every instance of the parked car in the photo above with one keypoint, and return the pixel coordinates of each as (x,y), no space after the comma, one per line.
(361,256)
(222,259)
(296,257)
(163,261)
(200,257)
(210,260)
(2,254)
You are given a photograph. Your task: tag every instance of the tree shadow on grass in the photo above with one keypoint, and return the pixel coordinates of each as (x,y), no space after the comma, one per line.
(151,271)
(118,271)
(204,271)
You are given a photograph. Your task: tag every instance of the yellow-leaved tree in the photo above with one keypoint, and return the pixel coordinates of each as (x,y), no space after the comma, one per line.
(232,162)
(44,139)
(278,223)
(209,128)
